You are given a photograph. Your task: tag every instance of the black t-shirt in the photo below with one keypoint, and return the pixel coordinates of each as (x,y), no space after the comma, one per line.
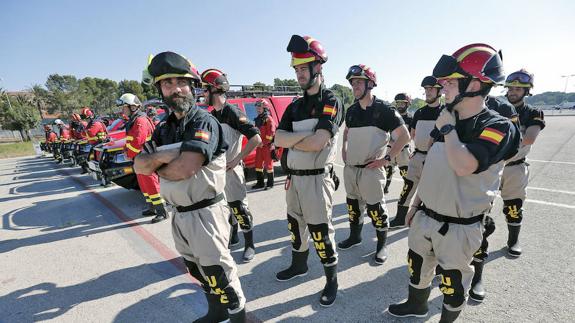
(530,116)
(236,119)
(378,114)
(198,131)
(488,136)
(407,119)
(503,108)
(324,106)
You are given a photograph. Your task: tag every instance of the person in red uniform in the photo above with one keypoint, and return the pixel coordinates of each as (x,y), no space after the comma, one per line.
(51,138)
(77,127)
(267,128)
(95,130)
(139,129)
(64,136)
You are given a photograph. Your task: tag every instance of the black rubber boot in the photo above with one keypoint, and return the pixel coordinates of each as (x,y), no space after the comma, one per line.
(260,181)
(216,312)
(381,250)
(416,304)
(399,220)
(297,268)
(239,317)
(448,316)
(162,213)
(234,238)
(249,248)
(151,211)
(513,247)
(354,237)
(270,182)
(477,291)
(329,292)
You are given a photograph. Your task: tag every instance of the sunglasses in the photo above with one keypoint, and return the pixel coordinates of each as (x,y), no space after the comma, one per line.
(448,67)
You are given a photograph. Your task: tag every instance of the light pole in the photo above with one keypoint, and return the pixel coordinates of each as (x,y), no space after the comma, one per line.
(566,77)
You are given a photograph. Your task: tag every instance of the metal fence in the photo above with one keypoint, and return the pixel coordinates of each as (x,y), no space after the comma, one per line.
(10,136)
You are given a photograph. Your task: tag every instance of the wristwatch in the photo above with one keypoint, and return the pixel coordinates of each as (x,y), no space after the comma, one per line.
(387,157)
(445,130)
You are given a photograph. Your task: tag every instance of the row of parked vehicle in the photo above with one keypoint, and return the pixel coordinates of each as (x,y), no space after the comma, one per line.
(107,163)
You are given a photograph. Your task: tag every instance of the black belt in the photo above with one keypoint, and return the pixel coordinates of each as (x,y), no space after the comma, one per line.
(360,166)
(449,219)
(517,162)
(420,151)
(201,204)
(307,172)
(406,146)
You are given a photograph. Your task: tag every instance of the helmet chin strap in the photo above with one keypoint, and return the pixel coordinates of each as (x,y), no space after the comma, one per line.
(463,85)
(312,77)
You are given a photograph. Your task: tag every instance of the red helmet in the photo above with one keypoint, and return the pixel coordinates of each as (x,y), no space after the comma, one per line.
(479,61)
(86,112)
(306,50)
(215,79)
(361,72)
(263,103)
(521,78)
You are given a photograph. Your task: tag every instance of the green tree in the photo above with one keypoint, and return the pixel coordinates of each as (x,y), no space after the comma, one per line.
(344,93)
(416,104)
(286,82)
(150,91)
(18,113)
(130,86)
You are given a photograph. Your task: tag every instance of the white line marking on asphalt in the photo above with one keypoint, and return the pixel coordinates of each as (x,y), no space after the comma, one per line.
(551,203)
(550,161)
(550,190)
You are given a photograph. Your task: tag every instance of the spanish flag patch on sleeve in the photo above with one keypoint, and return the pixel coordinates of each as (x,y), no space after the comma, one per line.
(202,135)
(328,110)
(492,135)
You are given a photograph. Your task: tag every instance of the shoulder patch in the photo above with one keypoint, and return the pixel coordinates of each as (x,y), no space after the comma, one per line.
(202,135)
(328,110)
(492,135)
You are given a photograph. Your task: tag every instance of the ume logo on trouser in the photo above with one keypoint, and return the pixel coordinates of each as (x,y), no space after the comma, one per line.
(242,215)
(451,286)
(377,215)
(322,243)
(219,285)
(353,211)
(513,210)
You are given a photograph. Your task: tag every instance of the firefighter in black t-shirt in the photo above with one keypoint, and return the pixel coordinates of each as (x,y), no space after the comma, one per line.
(401,103)
(369,125)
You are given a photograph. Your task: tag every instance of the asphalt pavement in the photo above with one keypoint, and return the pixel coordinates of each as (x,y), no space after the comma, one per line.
(73,251)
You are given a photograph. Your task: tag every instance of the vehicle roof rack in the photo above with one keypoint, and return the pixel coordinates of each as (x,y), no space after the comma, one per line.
(256,91)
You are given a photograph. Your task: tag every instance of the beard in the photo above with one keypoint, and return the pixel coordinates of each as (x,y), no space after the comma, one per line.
(180,103)
(514,99)
(430,100)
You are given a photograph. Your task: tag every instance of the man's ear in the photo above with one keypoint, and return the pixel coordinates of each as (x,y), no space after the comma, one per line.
(474,86)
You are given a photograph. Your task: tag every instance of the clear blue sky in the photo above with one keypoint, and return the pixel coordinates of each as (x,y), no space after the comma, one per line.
(401,40)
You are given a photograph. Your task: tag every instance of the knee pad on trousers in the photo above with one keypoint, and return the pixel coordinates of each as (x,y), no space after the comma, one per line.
(377,215)
(513,210)
(407,187)
(482,253)
(323,246)
(195,272)
(451,286)
(414,263)
(293,227)
(403,171)
(242,215)
(219,284)
(353,211)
